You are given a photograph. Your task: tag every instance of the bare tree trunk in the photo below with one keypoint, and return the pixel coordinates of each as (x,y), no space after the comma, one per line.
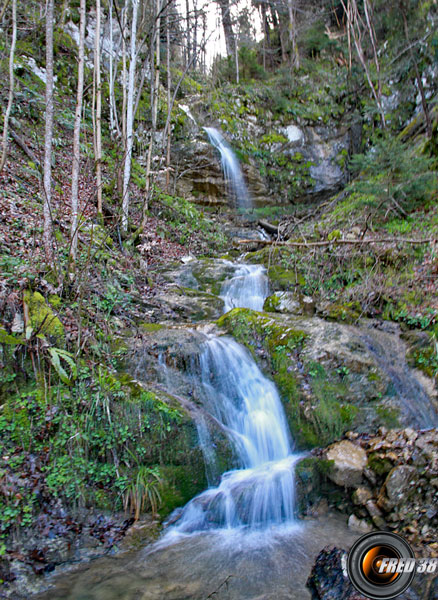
(355,25)
(77,135)
(227,25)
(417,76)
(47,180)
(157,66)
(188,33)
(124,75)
(169,106)
(293,35)
(155,77)
(98,109)
(236,59)
(114,120)
(11,85)
(130,117)
(204,35)
(195,34)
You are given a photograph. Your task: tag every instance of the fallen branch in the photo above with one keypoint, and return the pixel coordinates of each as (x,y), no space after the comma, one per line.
(28,152)
(335,242)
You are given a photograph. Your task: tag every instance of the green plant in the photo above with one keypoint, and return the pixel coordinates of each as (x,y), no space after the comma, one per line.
(143,491)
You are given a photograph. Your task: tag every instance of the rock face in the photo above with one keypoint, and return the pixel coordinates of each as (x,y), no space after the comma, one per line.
(325,148)
(349,463)
(203,181)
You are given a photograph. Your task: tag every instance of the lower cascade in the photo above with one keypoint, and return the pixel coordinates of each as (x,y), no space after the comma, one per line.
(247,404)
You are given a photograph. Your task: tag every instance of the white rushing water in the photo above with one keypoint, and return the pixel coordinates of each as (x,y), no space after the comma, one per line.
(261,492)
(248,288)
(230,167)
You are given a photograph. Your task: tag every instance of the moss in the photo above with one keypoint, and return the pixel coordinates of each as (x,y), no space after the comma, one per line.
(388,416)
(312,482)
(379,465)
(329,414)
(42,317)
(348,312)
(283,279)
(180,484)
(150,327)
(55,301)
(271,303)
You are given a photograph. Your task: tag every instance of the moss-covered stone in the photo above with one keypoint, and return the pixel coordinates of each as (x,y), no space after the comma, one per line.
(284,279)
(42,318)
(348,312)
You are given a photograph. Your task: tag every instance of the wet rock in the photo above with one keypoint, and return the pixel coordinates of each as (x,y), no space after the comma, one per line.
(400,484)
(327,580)
(359,525)
(361,496)
(349,463)
(283,302)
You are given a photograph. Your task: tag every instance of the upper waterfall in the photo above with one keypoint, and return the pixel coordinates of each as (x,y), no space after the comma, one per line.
(230,167)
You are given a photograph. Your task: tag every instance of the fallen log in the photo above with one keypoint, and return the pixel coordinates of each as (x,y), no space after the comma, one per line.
(22,144)
(268,227)
(336,242)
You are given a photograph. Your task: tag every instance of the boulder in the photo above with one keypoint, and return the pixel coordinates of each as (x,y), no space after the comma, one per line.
(349,463)
(283,302)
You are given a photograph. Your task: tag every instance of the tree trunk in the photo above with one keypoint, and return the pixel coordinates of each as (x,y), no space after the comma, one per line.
(77,135)
(114,121)
(130,117)
(227,25)
(355,31)
(188,34)
(11,86)
(169,106)
(295,56)
(47,179)
(155,79)
(98,110)
(417,75)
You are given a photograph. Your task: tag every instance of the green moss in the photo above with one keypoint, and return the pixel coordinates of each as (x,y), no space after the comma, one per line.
(42,317)
(149,327)
(283,279)
(379,465)
(388,416)
(348,312)
(271,303)
(55,301)
(180,484)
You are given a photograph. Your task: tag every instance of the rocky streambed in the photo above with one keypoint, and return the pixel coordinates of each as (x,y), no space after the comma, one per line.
(353,404)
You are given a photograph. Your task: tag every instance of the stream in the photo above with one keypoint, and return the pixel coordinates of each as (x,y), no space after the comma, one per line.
(240,539)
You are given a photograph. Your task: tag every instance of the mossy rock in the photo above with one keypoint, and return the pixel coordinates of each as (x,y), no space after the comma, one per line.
(348,312)
(181,483)
(312,482)
(284,279)
(42,318)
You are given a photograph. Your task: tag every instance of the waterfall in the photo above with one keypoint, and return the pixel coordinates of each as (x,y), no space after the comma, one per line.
(248,288)
(261,493)
(230,167)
